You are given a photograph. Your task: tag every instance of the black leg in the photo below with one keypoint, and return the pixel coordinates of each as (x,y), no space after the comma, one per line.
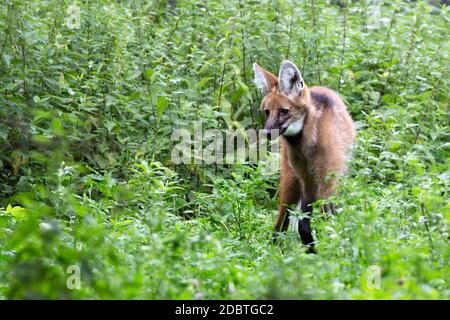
(333,208)
(304,226)
(329,208)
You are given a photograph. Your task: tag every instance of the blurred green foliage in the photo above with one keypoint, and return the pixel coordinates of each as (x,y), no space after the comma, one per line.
(87,108)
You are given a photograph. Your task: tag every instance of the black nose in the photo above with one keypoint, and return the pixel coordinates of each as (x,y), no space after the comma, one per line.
(267,133)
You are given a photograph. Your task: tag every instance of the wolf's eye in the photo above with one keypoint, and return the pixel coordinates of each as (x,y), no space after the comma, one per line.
(267,112)
(284,111)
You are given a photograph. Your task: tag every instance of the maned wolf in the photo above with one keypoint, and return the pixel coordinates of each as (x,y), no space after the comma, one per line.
(316,138)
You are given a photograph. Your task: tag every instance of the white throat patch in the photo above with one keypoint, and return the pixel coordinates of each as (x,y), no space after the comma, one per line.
(295,127)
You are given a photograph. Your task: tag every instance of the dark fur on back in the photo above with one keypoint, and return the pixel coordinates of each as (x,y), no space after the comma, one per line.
(324,96)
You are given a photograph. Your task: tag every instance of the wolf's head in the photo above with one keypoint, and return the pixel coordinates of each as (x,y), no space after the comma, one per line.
(286,98)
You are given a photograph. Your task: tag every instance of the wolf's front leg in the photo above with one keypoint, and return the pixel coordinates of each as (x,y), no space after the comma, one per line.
(290,194)
(304,224)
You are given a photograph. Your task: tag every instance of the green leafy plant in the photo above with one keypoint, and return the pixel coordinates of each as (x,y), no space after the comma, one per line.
(91,91)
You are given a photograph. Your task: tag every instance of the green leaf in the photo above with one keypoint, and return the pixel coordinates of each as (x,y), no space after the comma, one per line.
(134,75)
(161,104)
(17,212)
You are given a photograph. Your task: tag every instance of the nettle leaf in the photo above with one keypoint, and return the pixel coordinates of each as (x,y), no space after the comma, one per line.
(202,83)
(17,212)
(110,125)
(149,73)
(134,75)
(110,100)
(220,42)
(161,104)
(4,130)
(226,112)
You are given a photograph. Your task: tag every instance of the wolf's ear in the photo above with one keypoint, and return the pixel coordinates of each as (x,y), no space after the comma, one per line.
(264,80)
(290,80)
